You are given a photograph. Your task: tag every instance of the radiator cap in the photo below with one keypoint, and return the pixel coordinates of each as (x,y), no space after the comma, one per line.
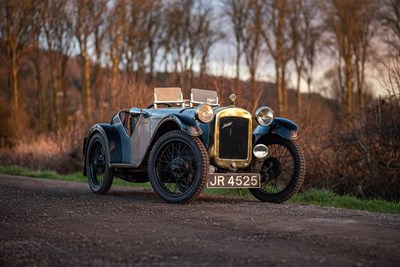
(232,98)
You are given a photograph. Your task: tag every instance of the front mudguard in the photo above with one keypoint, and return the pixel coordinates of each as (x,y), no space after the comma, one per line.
(283,127)
(186,123)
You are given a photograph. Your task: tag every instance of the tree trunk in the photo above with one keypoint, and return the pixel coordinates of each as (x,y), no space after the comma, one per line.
(152,61)
(280,90)
(86,93)
(14,91)
(308,121)
(349,85)
(237,81)
(298,91)
(359,88)
(284,91)
(362,79)
(115,100)
(64,90)
(203,65)
(40,97)
(253,88)
(190,74)
(55,87)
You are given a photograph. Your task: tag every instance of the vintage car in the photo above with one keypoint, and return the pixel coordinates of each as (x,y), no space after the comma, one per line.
(182,146)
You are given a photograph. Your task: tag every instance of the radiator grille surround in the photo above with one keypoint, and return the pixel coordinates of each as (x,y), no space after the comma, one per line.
(232,138)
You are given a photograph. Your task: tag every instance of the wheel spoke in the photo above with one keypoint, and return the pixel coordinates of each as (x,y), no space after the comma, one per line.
(280,169)
(176,165)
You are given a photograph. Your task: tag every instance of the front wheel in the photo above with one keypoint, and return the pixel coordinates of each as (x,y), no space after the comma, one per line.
(100,175)
(282,172)
(178,167)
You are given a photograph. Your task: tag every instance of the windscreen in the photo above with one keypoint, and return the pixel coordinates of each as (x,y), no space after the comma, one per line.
(167,94)
(204,96)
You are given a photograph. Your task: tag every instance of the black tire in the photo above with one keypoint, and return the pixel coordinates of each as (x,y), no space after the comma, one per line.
(178,167)
(282,172)
(100,175)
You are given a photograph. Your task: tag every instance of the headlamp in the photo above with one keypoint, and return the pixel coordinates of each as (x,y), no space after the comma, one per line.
(204,113)
(264,116)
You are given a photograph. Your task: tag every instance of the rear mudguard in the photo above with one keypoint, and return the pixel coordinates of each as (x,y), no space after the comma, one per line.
(283,127)
(111,138)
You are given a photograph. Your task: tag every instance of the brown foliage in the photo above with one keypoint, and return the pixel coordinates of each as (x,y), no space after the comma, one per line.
(358,157)
(47,152)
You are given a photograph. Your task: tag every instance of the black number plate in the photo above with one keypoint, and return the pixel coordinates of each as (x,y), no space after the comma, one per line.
(233,180)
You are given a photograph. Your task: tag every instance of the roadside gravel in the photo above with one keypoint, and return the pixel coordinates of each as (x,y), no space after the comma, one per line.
(48,223)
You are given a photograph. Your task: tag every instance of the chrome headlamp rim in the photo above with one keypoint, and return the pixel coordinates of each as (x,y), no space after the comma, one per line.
(264,116)
(204,113)
(260,151)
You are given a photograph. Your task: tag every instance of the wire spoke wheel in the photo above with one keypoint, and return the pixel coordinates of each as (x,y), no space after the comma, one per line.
(282,172)
(178,167)
(100,176)
(97,164)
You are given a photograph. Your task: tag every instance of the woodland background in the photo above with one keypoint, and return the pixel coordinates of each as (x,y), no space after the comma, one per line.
(332,66)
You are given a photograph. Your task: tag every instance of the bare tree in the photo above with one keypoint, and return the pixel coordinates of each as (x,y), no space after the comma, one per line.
(197,27)
(252,44)
(350,23)
(115,35)
(236,10)
(58,36)
(276,37)
(209,37)
(314,33)
(188,25)
(136,38)
(96,76)
(362,46)
(339,19)
(304,33)
(390,12)
(298,35)
(88,15)
(131,36)
(16,27)
(153,22)
(37,56)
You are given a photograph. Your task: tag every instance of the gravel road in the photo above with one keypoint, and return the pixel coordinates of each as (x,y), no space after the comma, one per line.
(57,223)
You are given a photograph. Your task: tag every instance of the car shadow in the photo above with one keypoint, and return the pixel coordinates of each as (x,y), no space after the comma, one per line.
(149,195)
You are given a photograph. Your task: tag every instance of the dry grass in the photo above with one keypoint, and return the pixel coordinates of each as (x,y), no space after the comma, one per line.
(47,152)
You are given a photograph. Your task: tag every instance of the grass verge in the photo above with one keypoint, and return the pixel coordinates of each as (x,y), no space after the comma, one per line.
(321,197)
(327,198)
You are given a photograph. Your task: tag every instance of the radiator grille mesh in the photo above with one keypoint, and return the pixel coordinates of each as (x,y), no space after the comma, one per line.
(233,138)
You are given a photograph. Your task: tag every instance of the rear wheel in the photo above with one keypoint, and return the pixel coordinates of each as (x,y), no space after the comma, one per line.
(282,172)
(178,167)
(100,175)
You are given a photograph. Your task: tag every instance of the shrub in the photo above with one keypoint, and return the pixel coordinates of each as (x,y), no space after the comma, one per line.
(47,152)
(358,157)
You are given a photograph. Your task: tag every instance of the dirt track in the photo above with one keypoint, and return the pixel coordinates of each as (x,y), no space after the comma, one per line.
(48,223)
